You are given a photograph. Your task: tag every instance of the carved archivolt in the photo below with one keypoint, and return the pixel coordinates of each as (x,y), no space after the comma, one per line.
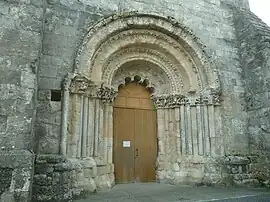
(151,58)
(171,46)
(146,70)
(147,45)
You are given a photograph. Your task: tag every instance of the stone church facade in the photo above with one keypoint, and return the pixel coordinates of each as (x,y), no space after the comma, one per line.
(95,93)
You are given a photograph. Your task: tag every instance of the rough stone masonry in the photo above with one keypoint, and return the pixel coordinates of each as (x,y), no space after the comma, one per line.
(62,61)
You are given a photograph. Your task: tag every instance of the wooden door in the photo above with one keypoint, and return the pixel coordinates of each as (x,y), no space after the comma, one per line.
(135,139)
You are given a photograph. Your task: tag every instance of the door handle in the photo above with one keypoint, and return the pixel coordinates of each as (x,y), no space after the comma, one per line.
(137,152)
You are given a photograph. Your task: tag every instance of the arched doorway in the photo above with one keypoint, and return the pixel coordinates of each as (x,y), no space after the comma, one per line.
(135,135)
(186,98)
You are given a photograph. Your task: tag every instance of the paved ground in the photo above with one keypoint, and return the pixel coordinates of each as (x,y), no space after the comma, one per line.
(175,193)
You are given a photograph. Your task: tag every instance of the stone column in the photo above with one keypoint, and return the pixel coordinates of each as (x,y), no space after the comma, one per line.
(194,130)
(75,125)
(64,115)
(106,95)
(172,137)
(90,133)
(200,130)
(161,161)
(177,131)
(96,127)
(206,131)
(79,111)
(85,116)
(212,132)
(160,131)
(110,135)
(188,125)
(166,132)
(101,131)
(105,131)
(183,130)
(79,128)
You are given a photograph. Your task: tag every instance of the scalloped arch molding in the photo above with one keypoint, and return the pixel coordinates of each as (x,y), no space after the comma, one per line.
(158,49)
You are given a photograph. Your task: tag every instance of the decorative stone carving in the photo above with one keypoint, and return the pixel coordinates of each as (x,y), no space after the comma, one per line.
(80,85)
(67,81)
(173,101)
(106,94)
(182,41)
(181,31)
(169,101)
(128,55)
(176,64)
(147,72)
(142,81)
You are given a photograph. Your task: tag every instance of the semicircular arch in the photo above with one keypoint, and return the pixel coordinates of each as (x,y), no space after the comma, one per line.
(186,54)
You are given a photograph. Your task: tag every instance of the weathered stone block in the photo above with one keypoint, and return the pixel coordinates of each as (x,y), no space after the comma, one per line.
(3,123)
(51,159)
(5,177)
(44,168)
(18,166)
(87,172)
(94,171)
(237,160)
(43,180)
(103,182)
(102,170)
(67,166)
(88,163)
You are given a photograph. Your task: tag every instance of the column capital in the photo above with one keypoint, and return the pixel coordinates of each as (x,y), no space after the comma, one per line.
(176,100)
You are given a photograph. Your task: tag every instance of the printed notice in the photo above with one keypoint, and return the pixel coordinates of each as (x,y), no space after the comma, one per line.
(126,143)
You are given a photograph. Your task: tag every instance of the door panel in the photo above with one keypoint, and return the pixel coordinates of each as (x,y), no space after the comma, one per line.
(145,145)
(134,121)
(123,156)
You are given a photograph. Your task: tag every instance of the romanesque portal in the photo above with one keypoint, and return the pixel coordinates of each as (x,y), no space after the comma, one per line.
(166,61)
(84,83)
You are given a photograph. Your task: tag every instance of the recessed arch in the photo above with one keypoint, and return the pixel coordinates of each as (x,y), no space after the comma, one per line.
(186,55)
(146,69)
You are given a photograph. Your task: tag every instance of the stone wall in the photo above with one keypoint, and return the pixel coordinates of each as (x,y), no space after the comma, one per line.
(214,171)
(58,178)
(254,49)
(65,25)
(16,175)
(20,44)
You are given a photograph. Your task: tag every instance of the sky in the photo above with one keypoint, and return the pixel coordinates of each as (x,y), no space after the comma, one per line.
(261,8)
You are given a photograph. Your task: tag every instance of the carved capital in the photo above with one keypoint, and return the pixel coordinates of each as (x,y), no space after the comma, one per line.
(176,100)
(211,96)
(169,101)
(82,85)
(106,94)
(67,81)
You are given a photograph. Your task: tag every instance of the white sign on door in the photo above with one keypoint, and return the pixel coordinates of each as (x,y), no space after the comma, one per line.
(126,143)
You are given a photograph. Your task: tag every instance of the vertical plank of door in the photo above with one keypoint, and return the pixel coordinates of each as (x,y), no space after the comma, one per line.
(145,142)
(123,156)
